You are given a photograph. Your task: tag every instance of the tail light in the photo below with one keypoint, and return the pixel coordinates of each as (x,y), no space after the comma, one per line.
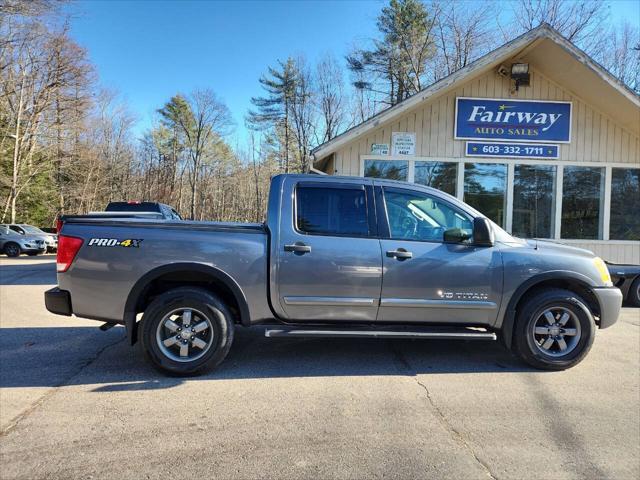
(67,249)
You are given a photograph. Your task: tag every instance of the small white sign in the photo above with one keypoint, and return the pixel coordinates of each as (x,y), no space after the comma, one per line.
(380,148)
(404,143)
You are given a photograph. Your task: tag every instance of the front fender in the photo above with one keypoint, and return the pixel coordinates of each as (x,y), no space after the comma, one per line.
(509,316)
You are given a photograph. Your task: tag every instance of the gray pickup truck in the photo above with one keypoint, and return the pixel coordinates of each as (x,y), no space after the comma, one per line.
(337,257)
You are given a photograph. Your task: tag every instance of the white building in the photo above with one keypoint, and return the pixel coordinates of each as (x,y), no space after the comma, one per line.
(557,156)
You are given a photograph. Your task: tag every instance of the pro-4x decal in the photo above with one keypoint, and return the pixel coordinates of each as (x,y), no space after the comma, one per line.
(114,242)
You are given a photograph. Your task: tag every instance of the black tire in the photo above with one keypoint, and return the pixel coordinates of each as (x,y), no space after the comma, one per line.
(12,249)
(202,302)
(530,347)
(633,297)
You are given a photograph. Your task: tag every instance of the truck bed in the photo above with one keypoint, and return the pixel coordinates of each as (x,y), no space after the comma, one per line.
(107,268)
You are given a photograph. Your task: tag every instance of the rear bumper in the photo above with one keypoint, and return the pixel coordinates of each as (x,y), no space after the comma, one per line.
(610,300)
(58,301)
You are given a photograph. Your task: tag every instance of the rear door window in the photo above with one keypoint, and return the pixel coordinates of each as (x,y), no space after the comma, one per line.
(335,211)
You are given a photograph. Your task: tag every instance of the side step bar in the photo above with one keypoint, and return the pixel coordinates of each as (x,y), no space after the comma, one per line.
(444,333)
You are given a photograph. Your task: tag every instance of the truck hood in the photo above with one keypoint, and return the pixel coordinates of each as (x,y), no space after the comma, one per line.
(546,246)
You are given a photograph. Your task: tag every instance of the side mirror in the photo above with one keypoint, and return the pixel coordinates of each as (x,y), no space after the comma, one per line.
(455,235)
(483,235)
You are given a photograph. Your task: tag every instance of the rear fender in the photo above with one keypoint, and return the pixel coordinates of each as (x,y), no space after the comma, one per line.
(140,288)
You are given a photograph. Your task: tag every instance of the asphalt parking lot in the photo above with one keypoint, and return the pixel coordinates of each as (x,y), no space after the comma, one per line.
(76,402)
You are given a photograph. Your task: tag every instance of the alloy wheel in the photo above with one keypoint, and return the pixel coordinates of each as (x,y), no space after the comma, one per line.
(556,331)
(185,334)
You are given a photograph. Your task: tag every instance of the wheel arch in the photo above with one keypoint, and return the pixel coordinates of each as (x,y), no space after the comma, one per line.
(574,282)
(174,275)
(12,242)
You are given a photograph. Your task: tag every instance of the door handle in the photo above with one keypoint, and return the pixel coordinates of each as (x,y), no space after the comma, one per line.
(298,247)
(400,254)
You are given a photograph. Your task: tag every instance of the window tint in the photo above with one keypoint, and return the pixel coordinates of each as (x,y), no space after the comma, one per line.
(389,169)
(332,211)
(625,204)
(581,201)
(416,216)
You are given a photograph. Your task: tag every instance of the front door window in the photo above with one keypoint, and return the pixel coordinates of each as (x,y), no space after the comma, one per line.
(415,216)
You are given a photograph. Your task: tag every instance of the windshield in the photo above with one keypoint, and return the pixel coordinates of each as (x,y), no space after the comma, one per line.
(31,229)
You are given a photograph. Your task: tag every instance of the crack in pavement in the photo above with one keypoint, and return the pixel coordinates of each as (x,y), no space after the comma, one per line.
(456,435)
(13,423)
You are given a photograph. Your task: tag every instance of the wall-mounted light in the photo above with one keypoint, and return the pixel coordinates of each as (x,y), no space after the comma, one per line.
(520,74)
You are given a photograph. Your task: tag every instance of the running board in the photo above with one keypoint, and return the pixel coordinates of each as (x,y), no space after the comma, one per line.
(443,333)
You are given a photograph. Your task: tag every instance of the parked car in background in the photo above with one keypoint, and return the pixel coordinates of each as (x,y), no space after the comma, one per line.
(627,279)
(167,212)
(12,243)
(50,241)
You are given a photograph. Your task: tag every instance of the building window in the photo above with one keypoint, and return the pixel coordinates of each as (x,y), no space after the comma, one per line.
(625,204)
(582,193)
(533,201)
(332,211)
(440,175)
(389,169)
(484,189)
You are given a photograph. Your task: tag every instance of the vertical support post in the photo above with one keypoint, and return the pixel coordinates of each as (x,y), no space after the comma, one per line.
(605,216)
(557,217)
(511,167)
(460,181)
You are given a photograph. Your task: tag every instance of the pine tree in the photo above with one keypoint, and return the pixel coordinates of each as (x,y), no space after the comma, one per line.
(274,111)
(397,64)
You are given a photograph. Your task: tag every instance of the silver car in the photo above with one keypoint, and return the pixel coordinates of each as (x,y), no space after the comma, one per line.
(12,243)
(50,240)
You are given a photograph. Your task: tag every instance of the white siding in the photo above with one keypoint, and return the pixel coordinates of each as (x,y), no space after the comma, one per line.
(596,138)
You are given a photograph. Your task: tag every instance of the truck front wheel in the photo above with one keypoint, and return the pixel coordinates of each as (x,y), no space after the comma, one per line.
(554,330)
(186,331)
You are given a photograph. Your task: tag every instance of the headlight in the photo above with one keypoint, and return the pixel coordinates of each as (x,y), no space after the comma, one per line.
(603,271)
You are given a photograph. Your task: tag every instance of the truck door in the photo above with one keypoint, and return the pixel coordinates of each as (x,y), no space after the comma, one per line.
(328,261)
(425,279)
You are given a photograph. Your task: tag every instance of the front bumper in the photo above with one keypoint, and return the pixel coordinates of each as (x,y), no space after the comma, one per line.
(610,301)
(33,248)
(58,301)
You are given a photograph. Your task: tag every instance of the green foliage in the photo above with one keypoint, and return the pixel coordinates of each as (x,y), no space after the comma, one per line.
(280,86)
(397,63)
(177,113)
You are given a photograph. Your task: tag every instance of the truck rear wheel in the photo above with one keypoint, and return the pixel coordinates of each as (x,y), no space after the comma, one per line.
(554,330)
(186,331)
